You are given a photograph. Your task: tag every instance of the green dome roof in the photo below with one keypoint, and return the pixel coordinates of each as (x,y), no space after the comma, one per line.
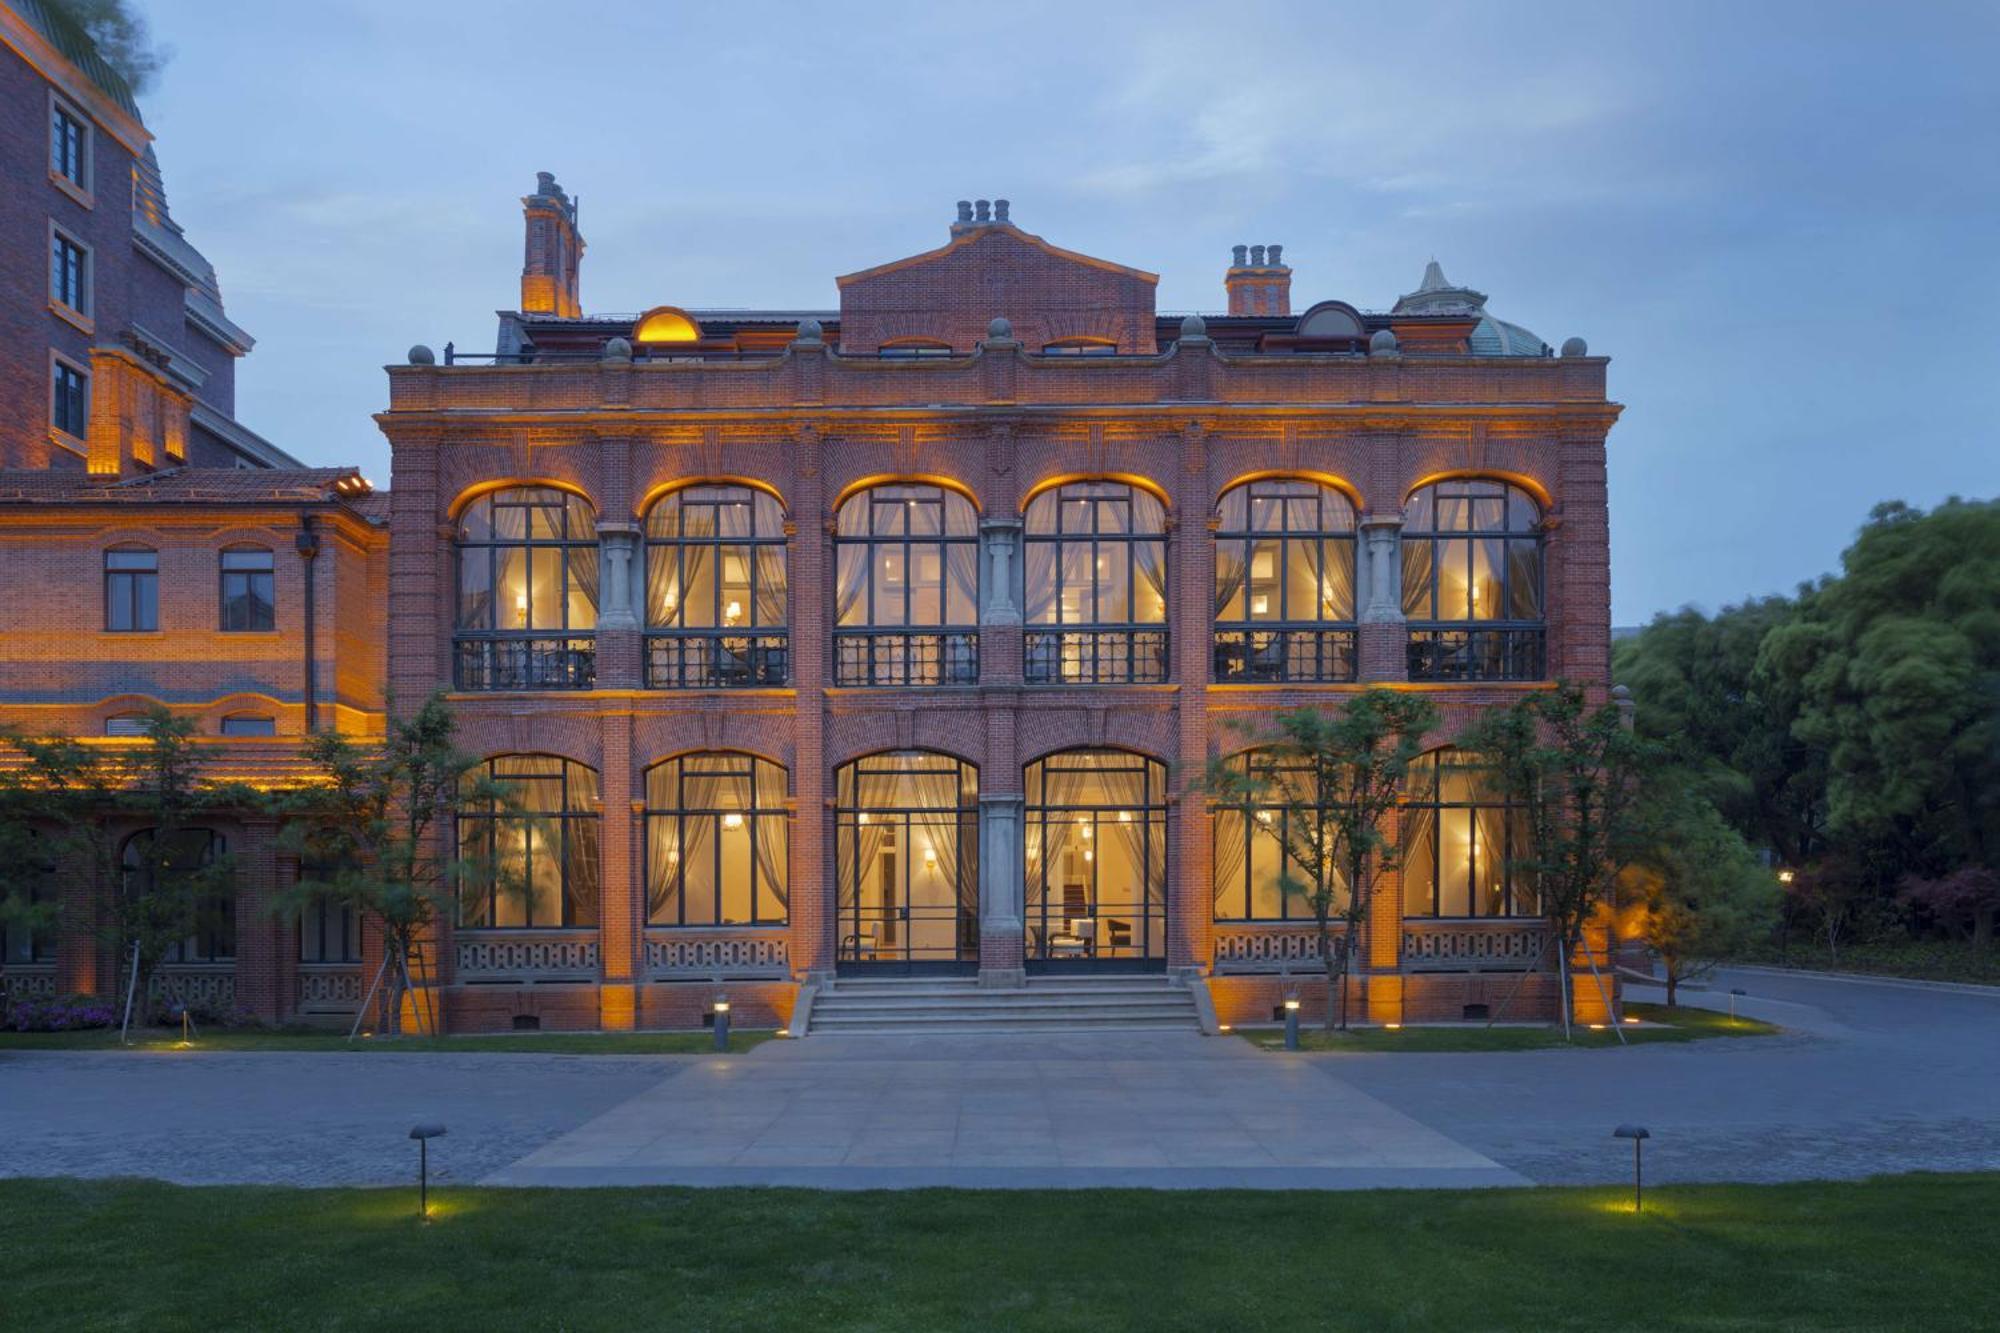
(1490,337)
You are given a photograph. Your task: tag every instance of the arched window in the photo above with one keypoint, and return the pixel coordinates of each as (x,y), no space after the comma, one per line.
(1284,583)
(1080,347)
(906,853)
(906,602)
(531,858)
(249,589)
(718,841)
(183,873)
(1461,837)
(1472,581)
(527,591)
(1096,859)
(1096,585)
(1257,838)
(716,599)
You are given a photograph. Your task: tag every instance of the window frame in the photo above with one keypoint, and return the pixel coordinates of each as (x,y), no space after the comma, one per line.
(481,884)
(224,577)
(77,185)
(1426,793)
(220,929)
(77,440)
(1427,621)
(269,724)
(1284,628)
(1292,909)
(1083,346)
(527,657)
(747,654)
(131,580)
(1093,631)
(755,772)
(61,238)
(907,651)
(914,349)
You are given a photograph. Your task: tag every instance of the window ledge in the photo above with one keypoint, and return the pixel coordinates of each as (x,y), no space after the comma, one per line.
(76,318)
(75,444)
(72,189)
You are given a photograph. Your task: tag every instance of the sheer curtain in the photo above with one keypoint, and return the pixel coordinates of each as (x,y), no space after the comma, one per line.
(851,586)
(1418,860)
(1417,557)
(769,611)
(663,585)
(961,560)
(1230,849)
(1039,582)
(1336,578)
(1230,570)
(771,842)
(582,587)
(1149,582)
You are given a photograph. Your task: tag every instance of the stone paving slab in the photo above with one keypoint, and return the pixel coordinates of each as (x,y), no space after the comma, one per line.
(1170,1111)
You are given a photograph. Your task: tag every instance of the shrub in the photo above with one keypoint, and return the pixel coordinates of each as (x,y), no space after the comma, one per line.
(66,1013)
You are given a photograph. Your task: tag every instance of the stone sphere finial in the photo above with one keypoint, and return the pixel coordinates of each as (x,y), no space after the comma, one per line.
(421,355)
(1001,329)
(617,349)
(1194,326)
(1383,343)
(1575,347)
(809,331)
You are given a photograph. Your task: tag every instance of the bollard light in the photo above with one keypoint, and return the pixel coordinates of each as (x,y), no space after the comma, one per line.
(1291,1022)
(1734,991)
(1638,1135)
(722,1025)
(423,1134)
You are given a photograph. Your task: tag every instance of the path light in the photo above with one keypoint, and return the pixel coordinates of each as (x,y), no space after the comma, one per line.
(1638,1135)
(1292,1022)
(722,1023)
(1734,991)
(423,1134)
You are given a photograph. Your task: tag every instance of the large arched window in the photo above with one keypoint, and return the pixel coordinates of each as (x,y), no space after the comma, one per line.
(183,872)
(906,603)
(530,856)
(716,600)
(1096,859)
(1461,838)
(906,852)
(527,591)
(1284,583)
(1257,838)
(1096,585)
(1472,581)
(718,841)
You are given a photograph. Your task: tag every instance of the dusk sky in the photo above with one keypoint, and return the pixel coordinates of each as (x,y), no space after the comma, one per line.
(1780,221)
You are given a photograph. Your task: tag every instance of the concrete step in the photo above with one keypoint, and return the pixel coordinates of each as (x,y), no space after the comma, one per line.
(1119,1002)
(1022,1001)
(954,1023)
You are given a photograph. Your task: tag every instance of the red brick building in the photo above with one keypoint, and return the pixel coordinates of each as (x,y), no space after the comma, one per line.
(887,637)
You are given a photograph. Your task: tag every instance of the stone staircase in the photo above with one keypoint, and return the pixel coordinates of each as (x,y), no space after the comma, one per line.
(959,1005)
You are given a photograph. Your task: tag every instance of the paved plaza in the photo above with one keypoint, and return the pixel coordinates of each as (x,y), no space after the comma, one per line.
(1869,1077)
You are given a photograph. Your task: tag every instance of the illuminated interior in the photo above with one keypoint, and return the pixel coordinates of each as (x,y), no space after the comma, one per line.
(527,563)
(531,858)
(718,842)
(906,850)
(1461,838)
(1096,858)
(1260,838)
(666,325)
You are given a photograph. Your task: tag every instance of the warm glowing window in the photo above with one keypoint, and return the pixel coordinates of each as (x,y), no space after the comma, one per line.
(532,858)
(718,842)
(1096,857)
(666,326)
(906,856)
(715,559)
(907,554)
(1472,581)
(1257,836)
(527,563)
(1096,554)
(1463,840)
(1284,554)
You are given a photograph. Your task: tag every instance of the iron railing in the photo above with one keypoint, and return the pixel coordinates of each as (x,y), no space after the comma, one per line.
(1095,657)
(874,657)
(568,663)
(1476,654)
(701,661)
(1277,656)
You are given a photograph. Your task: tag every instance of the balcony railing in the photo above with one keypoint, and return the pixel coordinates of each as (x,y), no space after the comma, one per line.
(906,658)
(1095,657)
(1476,654)
(1278,656)
(525,664)
(717,661)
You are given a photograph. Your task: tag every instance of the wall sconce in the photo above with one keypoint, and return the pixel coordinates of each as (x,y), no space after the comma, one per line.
(732,613)
(521,609)
(1124,816)
(930,858)
(732,820)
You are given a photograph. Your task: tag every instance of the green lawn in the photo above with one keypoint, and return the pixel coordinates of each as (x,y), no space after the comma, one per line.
(1910,1252)
(1661,1024)
(315,1039)
(1924,960)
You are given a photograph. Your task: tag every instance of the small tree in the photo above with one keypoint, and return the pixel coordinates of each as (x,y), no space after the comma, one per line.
(1695,889)
(1966,900)
(368,832)
(169,884)
(53,792)
(1574,771)
(1336,777)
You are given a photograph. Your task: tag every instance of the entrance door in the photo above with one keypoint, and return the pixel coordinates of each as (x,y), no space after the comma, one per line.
(1096,863)
(906,830)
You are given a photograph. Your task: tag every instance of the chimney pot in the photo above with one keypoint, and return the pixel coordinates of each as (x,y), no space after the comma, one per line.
(1241,254)
(1000,207)
(985,210)
(965,210)
(1256,256)
(1273,255)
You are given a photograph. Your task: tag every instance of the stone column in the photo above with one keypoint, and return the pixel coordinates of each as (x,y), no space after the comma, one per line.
(1382,651)
(620,647)
(1191,611)
(1000,596)
(1002,892)
(814,917)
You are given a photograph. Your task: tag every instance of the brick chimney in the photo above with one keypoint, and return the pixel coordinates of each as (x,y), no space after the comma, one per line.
(554,251)
(1258,281)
